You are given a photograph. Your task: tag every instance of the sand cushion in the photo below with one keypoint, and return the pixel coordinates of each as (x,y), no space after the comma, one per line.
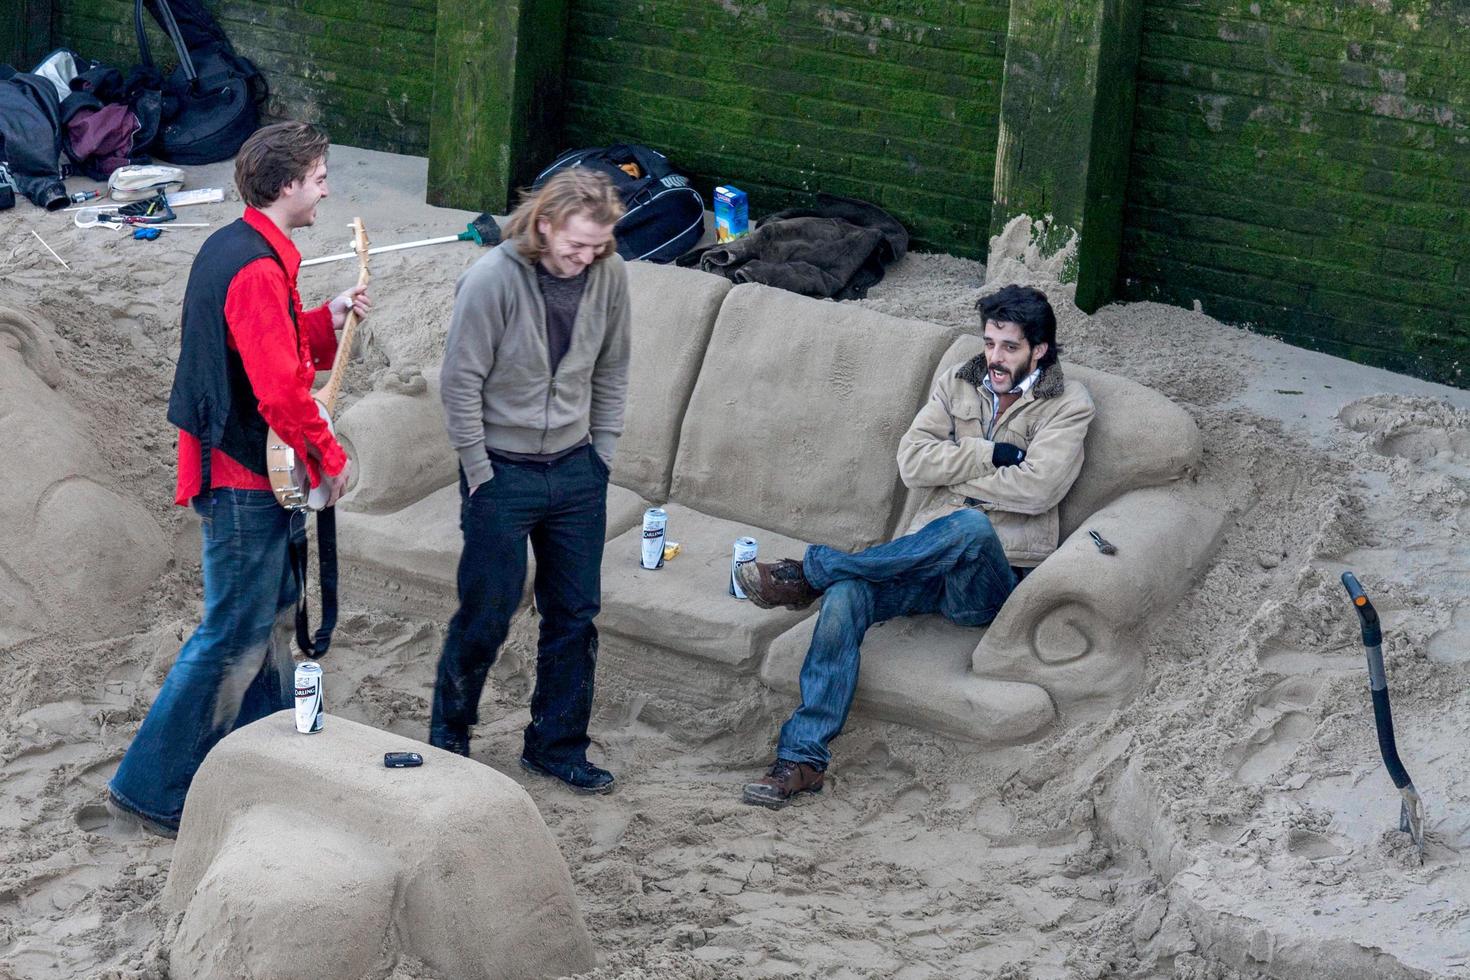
(915,670)
(303,856)
(797,414)
(673,313)
(418,547)
(685,606)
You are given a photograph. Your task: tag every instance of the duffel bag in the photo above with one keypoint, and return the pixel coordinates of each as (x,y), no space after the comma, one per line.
(664,216)
(211,100)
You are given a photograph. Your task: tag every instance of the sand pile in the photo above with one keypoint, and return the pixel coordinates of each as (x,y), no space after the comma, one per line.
(1232,821)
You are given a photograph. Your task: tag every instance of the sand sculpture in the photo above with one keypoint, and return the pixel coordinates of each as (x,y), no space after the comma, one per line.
(727,429)
(305,857)
(73,549)
(1234,819)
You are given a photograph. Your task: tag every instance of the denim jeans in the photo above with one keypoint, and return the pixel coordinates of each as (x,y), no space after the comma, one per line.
(235,668)
(953,566)
(561,508)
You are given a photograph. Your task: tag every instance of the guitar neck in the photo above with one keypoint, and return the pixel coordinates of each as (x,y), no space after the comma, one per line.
(333,387)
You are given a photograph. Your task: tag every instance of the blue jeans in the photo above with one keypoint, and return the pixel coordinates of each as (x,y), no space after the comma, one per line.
(236,667)
(561,508)
(953,566)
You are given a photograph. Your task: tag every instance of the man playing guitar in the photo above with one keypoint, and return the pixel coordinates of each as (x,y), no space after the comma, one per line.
(248,356)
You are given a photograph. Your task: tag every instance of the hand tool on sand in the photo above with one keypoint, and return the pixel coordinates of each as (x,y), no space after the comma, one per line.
(95,217)
(1103,544)
(1411,811)
(483,231)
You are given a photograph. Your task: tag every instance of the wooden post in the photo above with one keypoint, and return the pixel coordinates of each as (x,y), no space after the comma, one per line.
(1066,130)
(498,93)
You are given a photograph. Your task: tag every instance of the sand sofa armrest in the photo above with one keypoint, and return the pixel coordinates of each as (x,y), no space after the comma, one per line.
(1076,625)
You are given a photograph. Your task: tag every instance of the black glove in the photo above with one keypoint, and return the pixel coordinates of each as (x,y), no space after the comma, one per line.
(1006,454)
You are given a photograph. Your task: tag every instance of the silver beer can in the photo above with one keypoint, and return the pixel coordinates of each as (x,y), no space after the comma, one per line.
(745,549)
(309,704)
(655,529)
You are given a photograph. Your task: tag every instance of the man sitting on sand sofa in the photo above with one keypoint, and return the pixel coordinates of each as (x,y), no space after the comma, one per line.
(1000,444)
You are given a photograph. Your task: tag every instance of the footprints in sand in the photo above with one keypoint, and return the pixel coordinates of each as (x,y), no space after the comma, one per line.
(1283,724)
(1421,430)
(1452,644)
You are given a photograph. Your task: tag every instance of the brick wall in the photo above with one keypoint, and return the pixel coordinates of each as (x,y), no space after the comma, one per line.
(1304,166)
(893,102)
(364,69)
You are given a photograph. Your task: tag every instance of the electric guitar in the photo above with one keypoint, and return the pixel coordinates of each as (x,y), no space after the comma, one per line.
(290,479)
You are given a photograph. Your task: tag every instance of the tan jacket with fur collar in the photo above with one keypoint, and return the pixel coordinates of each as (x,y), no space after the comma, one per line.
(947,449)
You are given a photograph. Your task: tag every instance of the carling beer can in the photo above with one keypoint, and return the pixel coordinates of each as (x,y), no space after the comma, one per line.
(309,703)
(744,551)
(655,529)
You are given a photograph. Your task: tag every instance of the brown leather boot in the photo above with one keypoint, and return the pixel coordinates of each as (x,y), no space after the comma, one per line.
(784,780)
(778,583)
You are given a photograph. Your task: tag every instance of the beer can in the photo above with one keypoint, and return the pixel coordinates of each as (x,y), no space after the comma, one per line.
(655,528)
(309,704)
(745,549)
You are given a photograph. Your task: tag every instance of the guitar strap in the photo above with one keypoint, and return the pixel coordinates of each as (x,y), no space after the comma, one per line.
(315,646)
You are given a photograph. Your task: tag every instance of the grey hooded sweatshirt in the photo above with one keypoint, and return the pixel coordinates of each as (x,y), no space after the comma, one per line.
(496,383)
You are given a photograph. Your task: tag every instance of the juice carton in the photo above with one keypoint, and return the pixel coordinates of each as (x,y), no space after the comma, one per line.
(732,213)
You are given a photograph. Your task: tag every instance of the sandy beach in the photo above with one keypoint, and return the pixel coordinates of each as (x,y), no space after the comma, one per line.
(1232,821)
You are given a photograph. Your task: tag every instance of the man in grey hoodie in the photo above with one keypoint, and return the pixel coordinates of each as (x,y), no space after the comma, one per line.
(534,382)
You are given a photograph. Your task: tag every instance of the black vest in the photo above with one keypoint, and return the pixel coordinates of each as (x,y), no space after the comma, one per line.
(212,398)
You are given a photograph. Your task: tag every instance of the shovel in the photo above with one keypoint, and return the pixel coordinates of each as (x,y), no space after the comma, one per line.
(1411,810)
(482,231)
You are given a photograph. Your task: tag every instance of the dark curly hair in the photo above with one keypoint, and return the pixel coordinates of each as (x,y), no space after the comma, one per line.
(1030,310)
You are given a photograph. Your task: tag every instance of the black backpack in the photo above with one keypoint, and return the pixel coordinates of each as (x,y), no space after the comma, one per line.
(212,100)
(665,216)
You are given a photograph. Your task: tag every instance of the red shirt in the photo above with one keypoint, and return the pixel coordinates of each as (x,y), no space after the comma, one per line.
(280,363)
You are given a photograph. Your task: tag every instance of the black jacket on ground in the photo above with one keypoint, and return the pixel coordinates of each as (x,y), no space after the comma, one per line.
(30,131)
(836,250)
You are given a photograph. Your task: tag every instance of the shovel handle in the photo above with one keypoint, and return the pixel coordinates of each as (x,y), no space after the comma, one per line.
(1377,681)
(1367,615)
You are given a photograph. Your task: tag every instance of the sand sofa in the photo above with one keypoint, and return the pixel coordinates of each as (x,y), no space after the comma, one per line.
(754,411)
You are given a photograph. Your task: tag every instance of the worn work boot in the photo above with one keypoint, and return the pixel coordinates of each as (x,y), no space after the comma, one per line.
(579,775)
(779,583)
(784,780)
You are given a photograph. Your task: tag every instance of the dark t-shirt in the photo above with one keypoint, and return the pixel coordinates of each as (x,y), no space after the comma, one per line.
(562,297)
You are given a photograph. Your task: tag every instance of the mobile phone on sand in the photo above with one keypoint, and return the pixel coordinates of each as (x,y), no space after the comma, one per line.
(402,760)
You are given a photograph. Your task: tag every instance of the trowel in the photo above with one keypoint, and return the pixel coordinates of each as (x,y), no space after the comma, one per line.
(1411,810)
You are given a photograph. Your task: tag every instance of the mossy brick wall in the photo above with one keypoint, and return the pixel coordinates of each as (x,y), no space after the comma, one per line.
(1303,166)
(892,102)
(364,69)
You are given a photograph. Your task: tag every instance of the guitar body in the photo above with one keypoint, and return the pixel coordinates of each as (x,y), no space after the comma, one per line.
(290,480)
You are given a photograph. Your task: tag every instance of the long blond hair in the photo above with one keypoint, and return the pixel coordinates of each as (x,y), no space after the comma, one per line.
(575,190)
